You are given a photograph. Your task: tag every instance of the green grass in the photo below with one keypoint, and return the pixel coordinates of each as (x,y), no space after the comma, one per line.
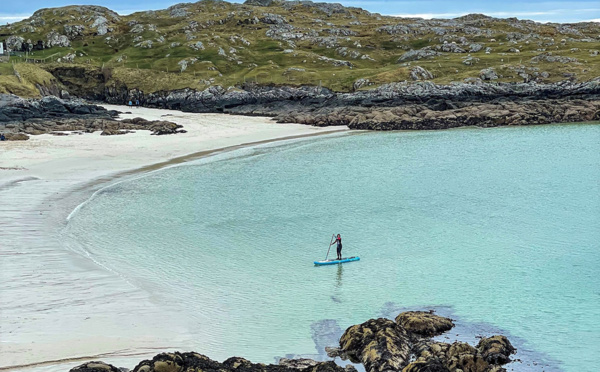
(264,61)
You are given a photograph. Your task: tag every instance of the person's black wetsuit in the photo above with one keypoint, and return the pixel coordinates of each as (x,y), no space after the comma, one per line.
(339,247)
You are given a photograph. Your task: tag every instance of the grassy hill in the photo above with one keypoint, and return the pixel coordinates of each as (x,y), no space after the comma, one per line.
(196,45)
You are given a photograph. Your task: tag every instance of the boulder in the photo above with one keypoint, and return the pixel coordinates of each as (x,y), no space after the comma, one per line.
(496,349)
(419,73)
(194,362)
(301,363)
(16,136)
(450,48)
(137,28)
(68,58)
(424,323)
(413,55)
(54,39)
(15,43)
(197,45)
(464,357)
(379,344)
(272,19)
(178,10)
(259,2)
(95,367)
(359,83)
(427,365)
(548,57)
(488,74)
(74,31)
(475,47)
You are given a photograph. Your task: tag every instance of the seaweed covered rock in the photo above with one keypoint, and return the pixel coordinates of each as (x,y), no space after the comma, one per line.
(465,357)
(194,362)
(424,323)
(174,362)
(95,367)
(488,356)
(429,365)
(496,349)
(379,344)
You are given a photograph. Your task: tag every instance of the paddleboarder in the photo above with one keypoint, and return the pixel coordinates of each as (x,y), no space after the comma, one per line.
(338,240)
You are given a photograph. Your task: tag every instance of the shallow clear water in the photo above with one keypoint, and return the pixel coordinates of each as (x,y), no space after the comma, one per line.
(498,227)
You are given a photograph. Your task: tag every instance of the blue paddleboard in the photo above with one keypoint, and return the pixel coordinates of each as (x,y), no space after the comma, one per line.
(333,262)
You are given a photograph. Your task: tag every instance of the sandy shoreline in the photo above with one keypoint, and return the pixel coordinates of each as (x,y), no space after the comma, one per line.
(58,308)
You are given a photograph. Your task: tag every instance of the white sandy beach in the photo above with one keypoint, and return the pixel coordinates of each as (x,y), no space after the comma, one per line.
(57,306)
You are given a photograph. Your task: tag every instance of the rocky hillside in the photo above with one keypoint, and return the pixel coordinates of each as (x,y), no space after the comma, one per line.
(293,43)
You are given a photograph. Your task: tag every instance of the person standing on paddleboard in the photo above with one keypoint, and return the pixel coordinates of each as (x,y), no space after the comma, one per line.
(338,240)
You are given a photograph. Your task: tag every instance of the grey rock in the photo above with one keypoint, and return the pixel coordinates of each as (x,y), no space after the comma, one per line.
(15,42)
(272,19)
(413,55)
(73,31)
(179,10)
(197,45)
(56,40)
(548,57)
(136,29)
(146,44)
(103,29)
(475,47)
(335,62)
(419,73)
(27,29)
(488,74)
(395,29)
(69,58)
(451,48)
(259,2)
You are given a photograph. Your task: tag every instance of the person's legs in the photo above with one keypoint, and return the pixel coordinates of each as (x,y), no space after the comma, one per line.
(339,253)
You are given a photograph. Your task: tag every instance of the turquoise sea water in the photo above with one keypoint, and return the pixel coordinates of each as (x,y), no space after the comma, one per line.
(499,228)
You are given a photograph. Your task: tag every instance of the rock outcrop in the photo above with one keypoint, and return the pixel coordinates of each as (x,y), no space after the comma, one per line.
(95,367)
(424,323)
(379,344)
(421,105)
(20,118)
(419,73)
(194,362)
(383,345)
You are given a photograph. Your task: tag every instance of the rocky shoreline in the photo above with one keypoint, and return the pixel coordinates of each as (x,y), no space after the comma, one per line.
(20,118)
(380,345)
(395,106)
(398,106)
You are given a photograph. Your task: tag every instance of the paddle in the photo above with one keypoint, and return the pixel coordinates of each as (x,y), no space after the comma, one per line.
(330,242)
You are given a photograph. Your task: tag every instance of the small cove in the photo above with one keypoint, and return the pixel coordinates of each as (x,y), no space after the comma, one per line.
(501,226)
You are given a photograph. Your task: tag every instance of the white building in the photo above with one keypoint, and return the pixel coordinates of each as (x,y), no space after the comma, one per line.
(1,47)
